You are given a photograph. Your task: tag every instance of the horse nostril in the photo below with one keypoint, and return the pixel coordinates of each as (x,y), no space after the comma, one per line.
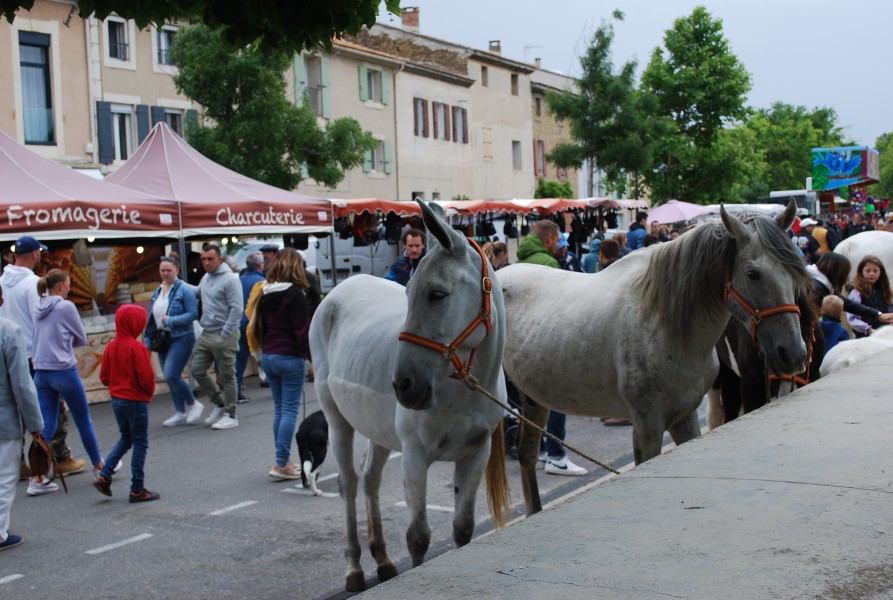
(403,385)
(783,355)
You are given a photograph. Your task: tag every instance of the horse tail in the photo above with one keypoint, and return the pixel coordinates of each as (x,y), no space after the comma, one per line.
(497,482)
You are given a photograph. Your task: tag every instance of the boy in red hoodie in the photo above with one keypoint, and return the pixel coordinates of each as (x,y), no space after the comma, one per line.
(127,371)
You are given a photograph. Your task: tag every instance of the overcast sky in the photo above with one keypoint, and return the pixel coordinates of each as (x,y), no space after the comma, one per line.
(815,53)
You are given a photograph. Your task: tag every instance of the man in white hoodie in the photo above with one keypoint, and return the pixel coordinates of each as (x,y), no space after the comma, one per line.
(19,287)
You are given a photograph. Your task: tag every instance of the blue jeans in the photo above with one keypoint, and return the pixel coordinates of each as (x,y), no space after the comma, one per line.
(556,426)
(241,358)
(286,377)
(66,384)
(173,361)
(133,423)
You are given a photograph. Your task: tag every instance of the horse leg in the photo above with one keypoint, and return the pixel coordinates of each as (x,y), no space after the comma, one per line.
(341,438)
(648,437)
(686,428)
(415,486)
(466,481)
(375,463)
(528,452)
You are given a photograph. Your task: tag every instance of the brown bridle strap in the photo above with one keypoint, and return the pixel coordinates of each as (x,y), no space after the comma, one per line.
(756,314)
(798,379)
(450,351)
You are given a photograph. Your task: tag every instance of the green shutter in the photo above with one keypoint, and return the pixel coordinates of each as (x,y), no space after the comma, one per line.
(385,77)
(300,79)
(326,90)
(388,163)
(367,162)
(364,83)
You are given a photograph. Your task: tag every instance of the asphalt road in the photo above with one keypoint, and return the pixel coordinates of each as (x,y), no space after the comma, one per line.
(223,528)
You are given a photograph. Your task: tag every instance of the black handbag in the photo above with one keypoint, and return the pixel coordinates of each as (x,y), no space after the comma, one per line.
(160,340)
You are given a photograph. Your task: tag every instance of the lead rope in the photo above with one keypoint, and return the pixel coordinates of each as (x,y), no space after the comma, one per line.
(474,384)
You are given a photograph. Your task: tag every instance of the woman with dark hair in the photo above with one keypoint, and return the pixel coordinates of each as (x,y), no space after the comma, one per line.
(280,323)
(173,307)
(829,276)
(872,288)
(58,330)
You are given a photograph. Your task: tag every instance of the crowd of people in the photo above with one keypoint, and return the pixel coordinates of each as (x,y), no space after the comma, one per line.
(202,325)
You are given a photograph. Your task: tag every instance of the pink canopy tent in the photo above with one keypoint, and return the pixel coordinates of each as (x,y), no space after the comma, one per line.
(52,202)
(213,199)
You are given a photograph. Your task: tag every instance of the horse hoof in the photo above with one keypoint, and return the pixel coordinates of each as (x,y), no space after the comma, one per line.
(388,571)
(355,583)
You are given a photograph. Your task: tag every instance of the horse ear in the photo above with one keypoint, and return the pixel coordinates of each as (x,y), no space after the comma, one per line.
(436,225)
(786,219)
(734,225)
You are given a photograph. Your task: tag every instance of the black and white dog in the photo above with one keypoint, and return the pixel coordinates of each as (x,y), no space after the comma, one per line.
(313,440)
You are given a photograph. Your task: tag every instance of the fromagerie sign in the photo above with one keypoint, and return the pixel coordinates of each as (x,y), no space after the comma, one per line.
(92,217)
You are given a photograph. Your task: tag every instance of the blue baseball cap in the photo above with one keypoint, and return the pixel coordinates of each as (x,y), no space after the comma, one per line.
(562,241)
(26,244)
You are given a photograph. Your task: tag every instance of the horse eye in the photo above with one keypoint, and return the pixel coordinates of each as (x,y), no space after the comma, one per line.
(435,295)
(755,275)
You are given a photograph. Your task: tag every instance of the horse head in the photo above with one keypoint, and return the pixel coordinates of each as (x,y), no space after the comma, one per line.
(454,319)
(762,285)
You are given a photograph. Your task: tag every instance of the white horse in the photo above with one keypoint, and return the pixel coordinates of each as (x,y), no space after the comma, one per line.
(636,341)
(360,364)
(853,352)
(878,243)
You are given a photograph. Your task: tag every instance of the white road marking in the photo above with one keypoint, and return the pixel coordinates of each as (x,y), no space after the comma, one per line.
(9,578)
(137,538)
(448,509)
(233,507)
(326,477)
(300,490)
(395,455)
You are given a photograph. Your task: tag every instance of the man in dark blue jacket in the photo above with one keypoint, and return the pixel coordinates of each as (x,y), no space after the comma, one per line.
(413,251)
(254,272)
(635,238)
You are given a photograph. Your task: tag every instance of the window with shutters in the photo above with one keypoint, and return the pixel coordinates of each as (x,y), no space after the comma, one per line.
(122,130)
(460,124)
(420,117)
(37,95)
(516,155)
(378,161)
(374,84)
(441,121)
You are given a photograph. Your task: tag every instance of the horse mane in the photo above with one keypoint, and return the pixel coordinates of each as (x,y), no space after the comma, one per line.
(684,279)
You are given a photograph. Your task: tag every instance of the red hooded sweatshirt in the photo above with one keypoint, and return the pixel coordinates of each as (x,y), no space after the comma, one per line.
(126,365)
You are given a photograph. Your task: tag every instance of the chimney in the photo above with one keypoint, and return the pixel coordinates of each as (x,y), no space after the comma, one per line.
(538,63)
(495,47)
(410,16)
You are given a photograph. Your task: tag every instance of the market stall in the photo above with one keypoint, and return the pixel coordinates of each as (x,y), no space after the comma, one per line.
(106,237)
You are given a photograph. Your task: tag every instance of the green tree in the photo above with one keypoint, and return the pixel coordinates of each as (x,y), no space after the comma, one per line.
(701,86)
(549,188)
(287,25)
(604,114)
(785,135)
(256,130)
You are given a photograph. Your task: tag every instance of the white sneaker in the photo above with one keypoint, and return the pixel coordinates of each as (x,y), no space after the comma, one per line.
(194,413)
(215,415)
(43,487)
(563,466)
(226,422)
(177,419)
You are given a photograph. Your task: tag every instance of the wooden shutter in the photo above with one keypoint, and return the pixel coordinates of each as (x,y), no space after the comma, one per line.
(446,122)
(191,119)
(464,125)
(416,103)
(157,114)
(326,89)
(105,133)
(300,74)
(364,82)
(142,122)
(425,113)
(385,95)
(388,157)
(367,162)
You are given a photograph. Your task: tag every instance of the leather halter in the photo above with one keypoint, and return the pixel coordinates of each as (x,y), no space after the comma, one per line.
(450,351)
(756,314)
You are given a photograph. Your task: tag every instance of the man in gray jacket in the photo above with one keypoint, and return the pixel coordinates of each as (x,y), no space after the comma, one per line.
(220,294)
(18,404)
